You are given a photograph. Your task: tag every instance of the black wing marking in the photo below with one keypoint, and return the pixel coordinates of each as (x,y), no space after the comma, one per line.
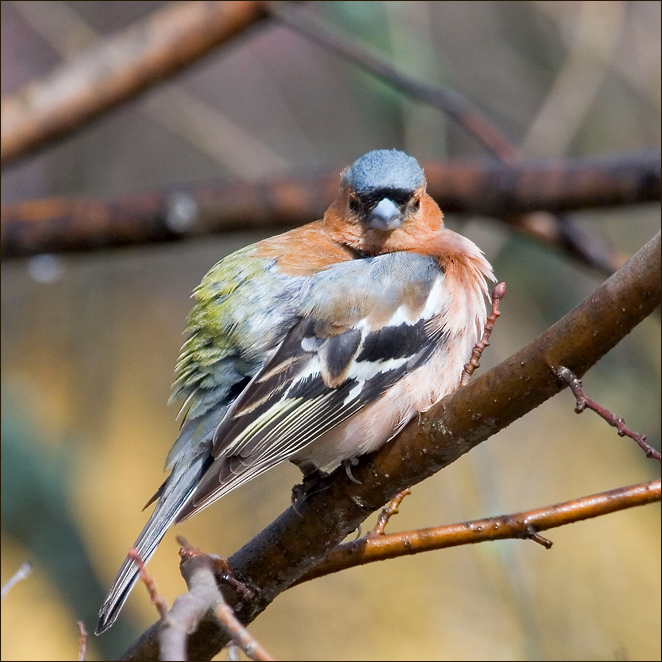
(288,404)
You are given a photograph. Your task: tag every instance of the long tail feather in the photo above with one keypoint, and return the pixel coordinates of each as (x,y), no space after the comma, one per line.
(178,490)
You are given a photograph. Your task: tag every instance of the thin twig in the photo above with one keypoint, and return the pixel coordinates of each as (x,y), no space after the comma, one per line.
(240,635)
(525,525)
(497,294)
(531,533)
(19,575)
(156,599)
(387,513)
(82,643)
(450,102)
(583,402)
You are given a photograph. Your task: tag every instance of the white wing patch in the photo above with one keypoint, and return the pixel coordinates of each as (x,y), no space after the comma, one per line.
(323,373)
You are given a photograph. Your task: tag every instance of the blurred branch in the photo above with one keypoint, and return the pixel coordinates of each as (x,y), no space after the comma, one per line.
(577,243)
(22,573)
(118,69)
(450,102)
(82,642)
(451,428)
(60,225)
(518,525)
(162,44)
(183,114)
(590,52)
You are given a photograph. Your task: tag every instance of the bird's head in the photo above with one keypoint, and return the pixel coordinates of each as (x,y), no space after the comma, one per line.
(382,205)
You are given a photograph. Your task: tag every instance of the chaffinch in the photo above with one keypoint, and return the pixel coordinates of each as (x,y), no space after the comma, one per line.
(318,345)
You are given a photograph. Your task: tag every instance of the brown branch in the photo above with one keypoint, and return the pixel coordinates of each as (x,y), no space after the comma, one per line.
(240,635)
(560,232)
(497,294)
(391,509)
(584,402)
(526,524)
(203,597)
(156,599)
(61,225)
(82,642)
(297,541)
(578,243)
(117,69)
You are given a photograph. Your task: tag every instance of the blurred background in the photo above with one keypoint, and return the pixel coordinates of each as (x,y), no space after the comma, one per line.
(89,341)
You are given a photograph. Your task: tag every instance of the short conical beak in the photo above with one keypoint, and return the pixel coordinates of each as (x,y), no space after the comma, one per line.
(385,216)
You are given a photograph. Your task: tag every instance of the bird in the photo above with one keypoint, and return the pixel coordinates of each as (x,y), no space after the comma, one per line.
(318,345)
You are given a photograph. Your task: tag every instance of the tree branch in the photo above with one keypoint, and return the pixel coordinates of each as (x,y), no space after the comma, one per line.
(518,525)
(581,245)
(584,402)
(297,541)
(22,573)
(117,69)
(67,225)
(450,102)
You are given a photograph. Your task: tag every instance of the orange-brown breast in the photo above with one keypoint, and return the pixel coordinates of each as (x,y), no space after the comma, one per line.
(305,250)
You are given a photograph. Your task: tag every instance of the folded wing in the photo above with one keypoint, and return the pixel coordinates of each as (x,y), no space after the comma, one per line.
(363,325)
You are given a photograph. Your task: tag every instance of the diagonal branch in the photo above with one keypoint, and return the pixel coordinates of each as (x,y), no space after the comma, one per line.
(296,542)
(584,402)
(118,69)
(578,243)
(448,101)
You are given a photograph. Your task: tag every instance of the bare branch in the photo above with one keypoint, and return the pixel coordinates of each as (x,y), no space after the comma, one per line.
(19,576)
(451,428)
(583,402)
(118,69)
(497,294)
(388,512)
(240,635)
(524,525)
(82,642)
(156,599)
(60,225)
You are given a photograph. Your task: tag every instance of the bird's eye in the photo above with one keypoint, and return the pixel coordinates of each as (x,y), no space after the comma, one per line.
(354,204)
(416,204)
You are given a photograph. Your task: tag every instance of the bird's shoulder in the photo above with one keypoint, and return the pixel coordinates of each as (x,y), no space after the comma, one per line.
(243,307)
(304,251)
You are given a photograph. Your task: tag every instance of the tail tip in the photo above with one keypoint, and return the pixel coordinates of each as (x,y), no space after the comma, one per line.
(107,617)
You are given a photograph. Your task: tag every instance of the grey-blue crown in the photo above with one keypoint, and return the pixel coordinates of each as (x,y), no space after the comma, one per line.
(384,168)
